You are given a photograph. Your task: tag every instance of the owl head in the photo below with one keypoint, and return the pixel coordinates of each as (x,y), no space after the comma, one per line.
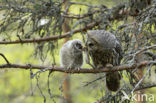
(91,42)
(76,44)
(100,40)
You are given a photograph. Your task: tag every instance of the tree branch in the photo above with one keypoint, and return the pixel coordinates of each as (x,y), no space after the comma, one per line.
(144,49)
(37,40)
(146,87)
(150,54)
(116,15)
(82,70)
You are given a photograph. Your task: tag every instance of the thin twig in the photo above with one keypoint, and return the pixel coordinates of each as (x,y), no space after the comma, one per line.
(84,15)
(37,76)
(49,90)
(85,4)
(150,54)
(40,71)
(88,83)
(5,58)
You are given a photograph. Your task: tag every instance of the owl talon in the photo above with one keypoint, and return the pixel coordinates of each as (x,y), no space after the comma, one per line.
(69,68)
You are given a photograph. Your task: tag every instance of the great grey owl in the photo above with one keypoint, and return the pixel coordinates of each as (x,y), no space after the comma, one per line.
(104,48)
(71,56)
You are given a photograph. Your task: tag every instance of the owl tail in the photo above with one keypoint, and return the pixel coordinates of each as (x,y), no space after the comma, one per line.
(113,81)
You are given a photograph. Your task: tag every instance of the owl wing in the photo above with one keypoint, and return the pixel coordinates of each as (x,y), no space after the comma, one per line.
(118,49)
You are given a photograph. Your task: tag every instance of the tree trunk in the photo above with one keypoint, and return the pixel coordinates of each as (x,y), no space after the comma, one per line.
(66,82)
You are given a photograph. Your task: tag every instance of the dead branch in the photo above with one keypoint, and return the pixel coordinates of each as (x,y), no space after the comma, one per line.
(82,70)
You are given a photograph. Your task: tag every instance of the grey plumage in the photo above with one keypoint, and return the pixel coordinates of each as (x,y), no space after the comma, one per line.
(71,56)
(104,48)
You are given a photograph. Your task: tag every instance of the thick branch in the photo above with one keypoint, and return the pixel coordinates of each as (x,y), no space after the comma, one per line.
(82,70)
(89,26)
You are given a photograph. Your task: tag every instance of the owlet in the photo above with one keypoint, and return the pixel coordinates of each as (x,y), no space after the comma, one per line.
(71,56)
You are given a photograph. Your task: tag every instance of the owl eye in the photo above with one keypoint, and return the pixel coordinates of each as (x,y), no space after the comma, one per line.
(90,44)
(79,46)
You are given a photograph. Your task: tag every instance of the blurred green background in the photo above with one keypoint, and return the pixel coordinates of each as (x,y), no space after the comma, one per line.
(16,86)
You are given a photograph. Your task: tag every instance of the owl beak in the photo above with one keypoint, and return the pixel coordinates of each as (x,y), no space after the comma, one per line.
(84,48)
(81,47)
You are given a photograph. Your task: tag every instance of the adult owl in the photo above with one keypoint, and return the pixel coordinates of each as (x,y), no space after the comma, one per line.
(104,48)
